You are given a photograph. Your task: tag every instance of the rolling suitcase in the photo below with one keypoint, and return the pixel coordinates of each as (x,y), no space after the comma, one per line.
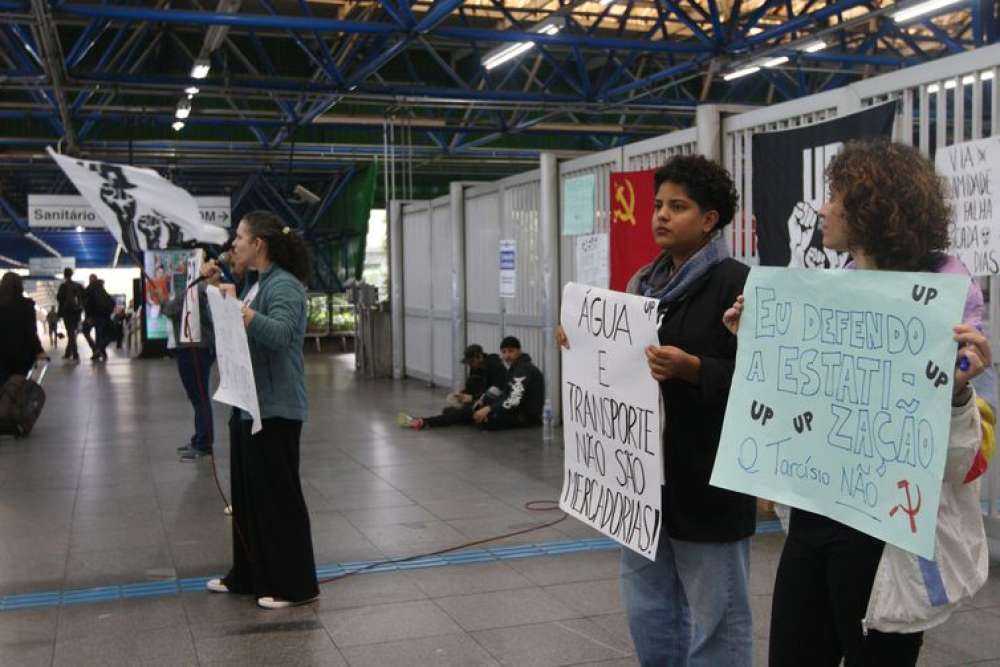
(21,402)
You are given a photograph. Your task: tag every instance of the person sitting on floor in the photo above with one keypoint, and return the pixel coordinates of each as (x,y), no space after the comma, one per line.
(485,371)
(516,404)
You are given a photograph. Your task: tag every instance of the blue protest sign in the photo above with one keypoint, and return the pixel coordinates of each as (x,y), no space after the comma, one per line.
(841,397)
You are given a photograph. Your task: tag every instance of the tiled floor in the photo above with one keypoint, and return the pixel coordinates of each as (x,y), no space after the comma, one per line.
(96,497)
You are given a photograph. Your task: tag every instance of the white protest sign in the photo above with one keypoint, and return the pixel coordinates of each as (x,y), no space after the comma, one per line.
(841,397)
(191,309)
(611,416)
(508,268)
(971,171)
(592,260)
(236,382)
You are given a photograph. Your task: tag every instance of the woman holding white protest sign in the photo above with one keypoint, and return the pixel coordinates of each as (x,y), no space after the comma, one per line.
(272,540)
(849,595)
(691,606)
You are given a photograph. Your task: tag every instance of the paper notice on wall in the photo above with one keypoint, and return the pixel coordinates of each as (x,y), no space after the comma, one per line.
(592,260)
(508,269)
(971,171)
(236,381)
(611,416)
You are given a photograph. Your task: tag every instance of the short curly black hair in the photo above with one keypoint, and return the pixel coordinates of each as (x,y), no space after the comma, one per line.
(706,182)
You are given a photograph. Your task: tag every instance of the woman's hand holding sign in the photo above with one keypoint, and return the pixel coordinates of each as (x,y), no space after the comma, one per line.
(667,362)
(731,318)
(974,355)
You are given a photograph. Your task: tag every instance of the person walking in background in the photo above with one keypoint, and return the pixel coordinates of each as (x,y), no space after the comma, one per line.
(52,324)
(19,344)
(272,539)
(70,300)
(99,306)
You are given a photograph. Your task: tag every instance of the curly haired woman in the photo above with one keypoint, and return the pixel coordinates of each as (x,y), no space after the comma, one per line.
(839,593)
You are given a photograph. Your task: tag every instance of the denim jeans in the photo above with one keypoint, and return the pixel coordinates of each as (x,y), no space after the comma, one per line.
(195,368)
(691,607)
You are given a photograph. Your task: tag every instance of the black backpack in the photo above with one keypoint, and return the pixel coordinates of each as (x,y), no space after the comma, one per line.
(104,304)
(73,298)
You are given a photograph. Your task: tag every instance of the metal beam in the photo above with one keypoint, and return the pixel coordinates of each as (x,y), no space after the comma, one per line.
(54,69)
(256,21)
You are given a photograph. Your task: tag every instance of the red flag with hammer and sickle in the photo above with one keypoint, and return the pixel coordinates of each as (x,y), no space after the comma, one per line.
(632,244)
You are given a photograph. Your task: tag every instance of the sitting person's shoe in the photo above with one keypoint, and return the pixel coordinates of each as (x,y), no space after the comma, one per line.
(192,454)
(404,420)
(183,448)
(216,586)
(268,602)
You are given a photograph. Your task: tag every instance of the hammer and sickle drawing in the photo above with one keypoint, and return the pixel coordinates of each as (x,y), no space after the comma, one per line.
(626,210)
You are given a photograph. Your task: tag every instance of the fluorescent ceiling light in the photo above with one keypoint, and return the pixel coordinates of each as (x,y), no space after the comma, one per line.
(178,125)
(514,50)
(986,76)
(740,73)
(183,109)
(79,229)
(201,68)
(813,47)
(774,62)
(950,84)
(604,3)
(922,9)
(192,90)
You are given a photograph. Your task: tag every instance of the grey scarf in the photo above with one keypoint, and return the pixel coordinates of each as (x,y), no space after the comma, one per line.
(658,281)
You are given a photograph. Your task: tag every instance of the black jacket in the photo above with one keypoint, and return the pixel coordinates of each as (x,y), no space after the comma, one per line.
(694,510)
(523,394)
(96,301)
(491,374)
(19,344)
(70,299)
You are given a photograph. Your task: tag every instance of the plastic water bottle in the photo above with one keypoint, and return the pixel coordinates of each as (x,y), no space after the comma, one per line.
(547,421)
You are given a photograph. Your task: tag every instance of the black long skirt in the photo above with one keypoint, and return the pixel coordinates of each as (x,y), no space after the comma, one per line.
(272,540)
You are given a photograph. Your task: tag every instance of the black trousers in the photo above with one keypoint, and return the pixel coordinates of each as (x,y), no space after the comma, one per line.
(72,324)
(272,538)
(451,417)
(821,592)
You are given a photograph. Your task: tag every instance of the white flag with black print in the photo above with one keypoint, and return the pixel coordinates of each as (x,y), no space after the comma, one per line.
(141,209)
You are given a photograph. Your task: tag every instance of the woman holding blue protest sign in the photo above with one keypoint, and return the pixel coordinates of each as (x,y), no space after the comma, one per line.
(691,606)
(839,593)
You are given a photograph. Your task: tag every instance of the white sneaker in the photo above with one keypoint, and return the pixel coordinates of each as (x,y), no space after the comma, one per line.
(268,602)
(216,586)
(228,511)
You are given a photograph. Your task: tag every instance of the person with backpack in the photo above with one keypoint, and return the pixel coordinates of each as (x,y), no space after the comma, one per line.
(70,300)
(99,306)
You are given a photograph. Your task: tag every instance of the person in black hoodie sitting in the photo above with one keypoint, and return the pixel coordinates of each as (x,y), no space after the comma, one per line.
(520,403)
(486,372)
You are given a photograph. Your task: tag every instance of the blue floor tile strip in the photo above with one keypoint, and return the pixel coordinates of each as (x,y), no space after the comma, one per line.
(150,589)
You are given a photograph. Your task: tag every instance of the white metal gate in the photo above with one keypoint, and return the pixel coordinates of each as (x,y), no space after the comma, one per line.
(427,266)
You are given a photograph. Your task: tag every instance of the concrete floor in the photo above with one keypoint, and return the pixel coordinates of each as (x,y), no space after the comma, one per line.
(97,498)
